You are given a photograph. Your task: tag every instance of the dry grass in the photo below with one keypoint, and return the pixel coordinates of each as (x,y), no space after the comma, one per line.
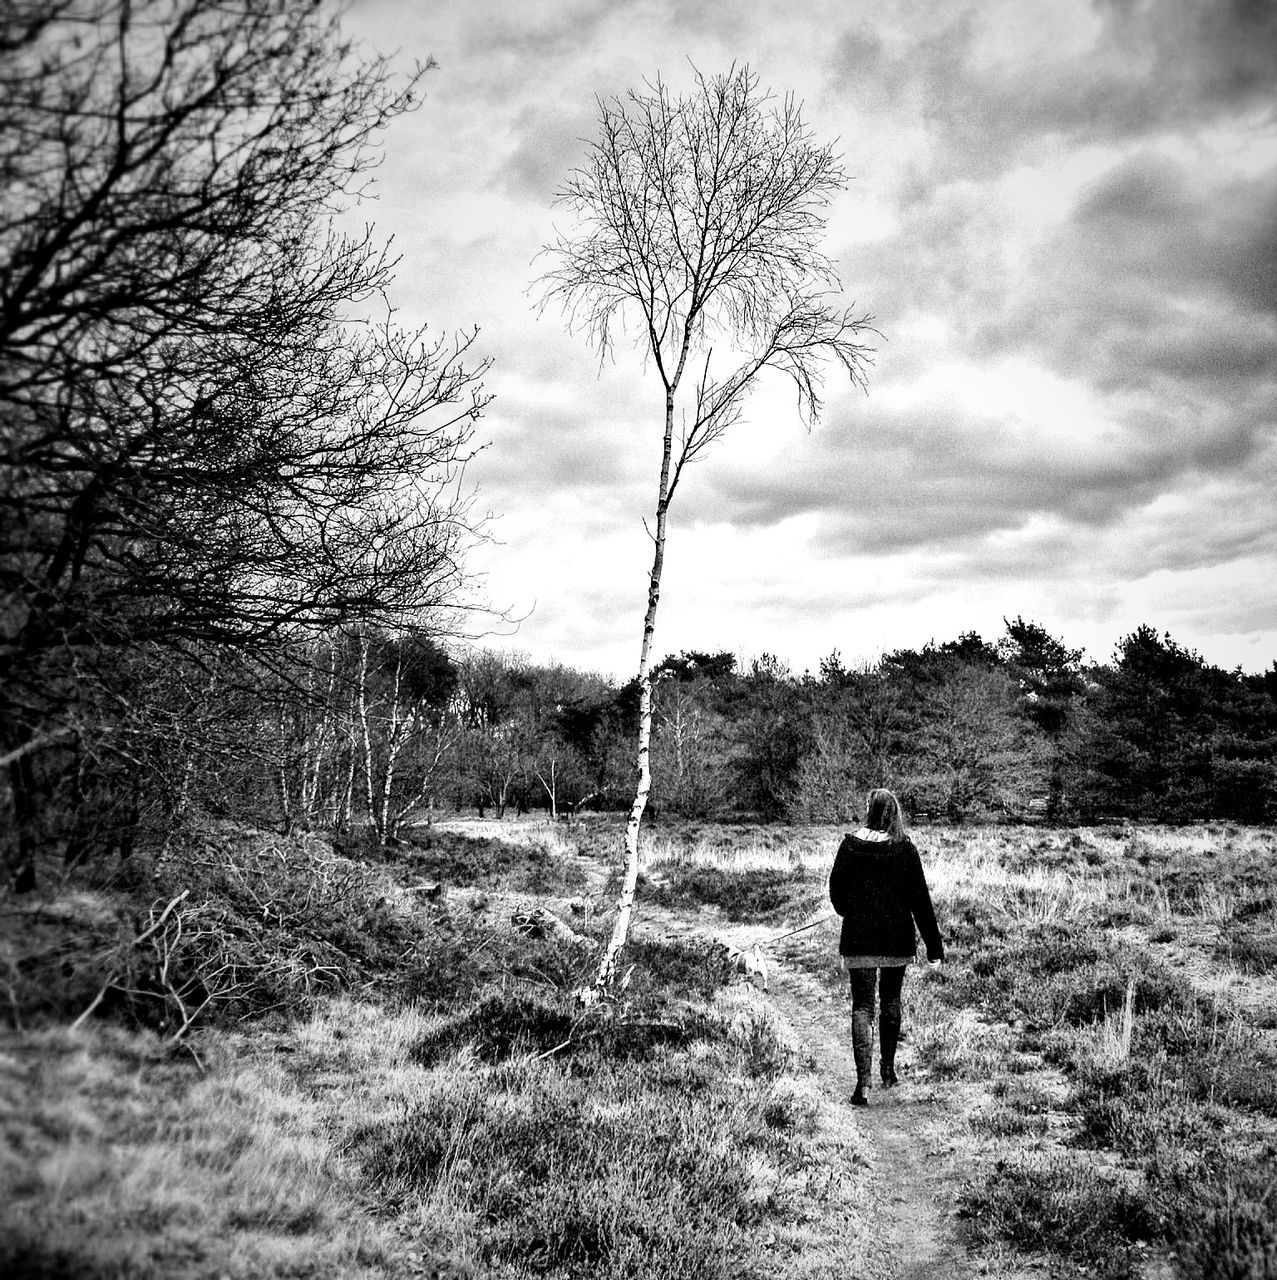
(126,1161)
(675,1125)
(1125,975)
(1097,1042)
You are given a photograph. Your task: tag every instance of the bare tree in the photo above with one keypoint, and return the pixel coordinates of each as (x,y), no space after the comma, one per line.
(214,433)
(700,217)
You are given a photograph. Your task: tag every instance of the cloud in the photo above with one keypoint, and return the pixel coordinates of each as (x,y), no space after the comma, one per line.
(913,475)
(1159,283)
(1178,232)
(549,142)
(538,31)
(1149,68)
(1062,220)
(544,448)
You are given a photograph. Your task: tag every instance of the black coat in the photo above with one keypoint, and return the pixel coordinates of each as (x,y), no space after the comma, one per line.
(879,889)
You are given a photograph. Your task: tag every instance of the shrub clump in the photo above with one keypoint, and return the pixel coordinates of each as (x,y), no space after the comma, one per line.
(466,952)
(567,1178)
(744,895)
(503,1025)
(1251,950)
(1065,1206)
(1056,976)
(232,923)
(454,858)
(1236,1237)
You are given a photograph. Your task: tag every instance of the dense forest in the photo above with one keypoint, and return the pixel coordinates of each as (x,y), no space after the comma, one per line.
(368,733)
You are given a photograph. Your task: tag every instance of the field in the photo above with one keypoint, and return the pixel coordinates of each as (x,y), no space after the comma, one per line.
(384,1076)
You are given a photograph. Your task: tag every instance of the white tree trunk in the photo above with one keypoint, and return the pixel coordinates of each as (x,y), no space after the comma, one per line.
(394,745)
(281,775)
(361,693)
(629,883)
(550,787)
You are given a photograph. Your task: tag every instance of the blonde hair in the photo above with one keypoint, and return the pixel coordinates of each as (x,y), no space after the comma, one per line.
(883,813)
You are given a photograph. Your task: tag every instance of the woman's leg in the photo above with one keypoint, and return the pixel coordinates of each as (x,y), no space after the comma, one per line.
(863,983)
(893,981)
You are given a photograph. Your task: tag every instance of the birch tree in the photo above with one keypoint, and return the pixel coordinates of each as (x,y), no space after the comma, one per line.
(698,219)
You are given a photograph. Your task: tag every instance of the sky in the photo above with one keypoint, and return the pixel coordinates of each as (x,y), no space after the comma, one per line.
(1062,216)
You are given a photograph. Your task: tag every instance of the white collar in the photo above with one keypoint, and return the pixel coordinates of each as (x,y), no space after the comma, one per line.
(875,836)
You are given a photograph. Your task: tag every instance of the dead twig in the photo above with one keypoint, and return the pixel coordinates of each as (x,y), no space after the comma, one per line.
(142,937)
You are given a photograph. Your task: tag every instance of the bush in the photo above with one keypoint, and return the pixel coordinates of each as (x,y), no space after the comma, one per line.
(677,967)
(499,1026)
(1135,1105)
(231,923)
(744,895)
(1062,1205)
(453,858)
(1054,975)
(504,1025)
(464,954)
(1236,1237)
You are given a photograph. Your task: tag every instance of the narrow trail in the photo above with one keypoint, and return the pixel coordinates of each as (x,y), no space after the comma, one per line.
(914,1186)
(909,1128)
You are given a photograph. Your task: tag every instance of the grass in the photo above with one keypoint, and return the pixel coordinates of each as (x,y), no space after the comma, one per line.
(1251,950)
(1235,1238)
(473,1120)
(1065,1206)
(394,1084)
(1113,957)
(329,1150)
(617,1174)
(746,875)
(125,1161)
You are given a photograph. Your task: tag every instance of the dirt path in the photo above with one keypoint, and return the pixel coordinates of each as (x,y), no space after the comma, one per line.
(913,1188)
(910,1130)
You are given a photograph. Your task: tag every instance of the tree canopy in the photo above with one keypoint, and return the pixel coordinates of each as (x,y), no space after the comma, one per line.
(214,431)
(216,438)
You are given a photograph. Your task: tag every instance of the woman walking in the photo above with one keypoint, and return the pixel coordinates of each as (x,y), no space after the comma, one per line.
(878,887)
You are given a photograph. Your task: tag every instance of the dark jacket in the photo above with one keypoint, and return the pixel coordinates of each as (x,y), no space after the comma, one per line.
(879,889)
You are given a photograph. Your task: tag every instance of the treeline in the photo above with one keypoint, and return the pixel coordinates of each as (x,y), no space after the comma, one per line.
(368,733)
(965,729)
(381,731)
(1020,727)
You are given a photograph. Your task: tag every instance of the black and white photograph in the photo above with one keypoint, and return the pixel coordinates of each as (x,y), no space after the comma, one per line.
(638,639)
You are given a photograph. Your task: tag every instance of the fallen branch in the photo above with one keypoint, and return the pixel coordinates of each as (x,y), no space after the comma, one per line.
(556,1048)
(97,1000)
(164,915)
(142,937)
(538,922)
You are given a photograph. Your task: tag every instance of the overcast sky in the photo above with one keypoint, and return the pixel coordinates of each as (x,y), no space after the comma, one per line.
(1064,221)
